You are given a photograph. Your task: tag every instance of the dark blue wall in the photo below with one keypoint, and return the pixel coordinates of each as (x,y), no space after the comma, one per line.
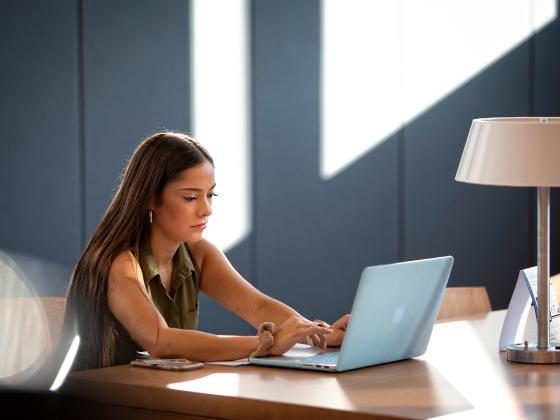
(82,82)
(136,80)
(313,237)
(40,209)
(485,228)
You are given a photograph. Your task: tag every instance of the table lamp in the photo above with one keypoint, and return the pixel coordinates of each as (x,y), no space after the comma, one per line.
(521,152)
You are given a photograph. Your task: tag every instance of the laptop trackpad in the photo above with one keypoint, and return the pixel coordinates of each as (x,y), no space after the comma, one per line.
(301,351)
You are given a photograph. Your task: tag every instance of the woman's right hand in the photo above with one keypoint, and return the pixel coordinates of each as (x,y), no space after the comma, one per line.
(292,331)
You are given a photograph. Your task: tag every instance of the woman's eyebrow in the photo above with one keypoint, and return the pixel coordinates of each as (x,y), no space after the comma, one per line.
(196,189)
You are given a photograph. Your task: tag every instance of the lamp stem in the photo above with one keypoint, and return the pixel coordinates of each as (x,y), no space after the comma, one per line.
(543,284)
(542,352)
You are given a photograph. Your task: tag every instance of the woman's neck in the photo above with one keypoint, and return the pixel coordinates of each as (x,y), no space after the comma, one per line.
(162,248)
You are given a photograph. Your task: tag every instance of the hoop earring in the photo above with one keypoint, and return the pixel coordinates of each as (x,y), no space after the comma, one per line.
(150,216)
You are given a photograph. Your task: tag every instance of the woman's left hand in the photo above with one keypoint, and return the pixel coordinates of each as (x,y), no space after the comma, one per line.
(333,339)
(339,328)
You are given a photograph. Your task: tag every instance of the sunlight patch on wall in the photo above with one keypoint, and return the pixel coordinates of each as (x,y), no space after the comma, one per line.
(360,79)
(384,63)
(220,74)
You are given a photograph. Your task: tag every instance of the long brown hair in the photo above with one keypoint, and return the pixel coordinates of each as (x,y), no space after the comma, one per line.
(125,226)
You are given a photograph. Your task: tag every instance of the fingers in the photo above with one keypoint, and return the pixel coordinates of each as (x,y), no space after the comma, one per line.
(312,329)
(314,335)
(321,323)
(342,323)
(345,321)
(303,331)
(317,340)
(317,333)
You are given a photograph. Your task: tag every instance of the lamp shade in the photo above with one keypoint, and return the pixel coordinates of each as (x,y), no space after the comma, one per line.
(513,151)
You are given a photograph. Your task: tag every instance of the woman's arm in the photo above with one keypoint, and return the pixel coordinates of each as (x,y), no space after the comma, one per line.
(128,300)
(224,284)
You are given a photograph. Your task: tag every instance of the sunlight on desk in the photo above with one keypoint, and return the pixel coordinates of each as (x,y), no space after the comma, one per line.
(226,383)
(483,384)
(269,386)
(379,390)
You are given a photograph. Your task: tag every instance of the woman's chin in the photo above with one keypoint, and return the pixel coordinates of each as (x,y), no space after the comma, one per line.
(193,238)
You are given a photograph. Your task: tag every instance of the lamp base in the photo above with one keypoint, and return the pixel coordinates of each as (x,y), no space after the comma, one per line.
(529,353)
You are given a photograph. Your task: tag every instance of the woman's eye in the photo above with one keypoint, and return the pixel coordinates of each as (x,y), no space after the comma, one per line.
(193,198)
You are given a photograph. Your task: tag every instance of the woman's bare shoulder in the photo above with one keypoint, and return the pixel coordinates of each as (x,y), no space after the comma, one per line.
(202,250)
(125,265)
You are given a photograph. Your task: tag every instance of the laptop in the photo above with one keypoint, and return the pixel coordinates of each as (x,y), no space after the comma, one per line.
(392,318)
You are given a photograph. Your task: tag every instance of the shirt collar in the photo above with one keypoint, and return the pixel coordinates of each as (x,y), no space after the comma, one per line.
(183,261)
(183,266)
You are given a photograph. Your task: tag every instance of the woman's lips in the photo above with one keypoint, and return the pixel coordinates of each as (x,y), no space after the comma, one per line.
(202,226)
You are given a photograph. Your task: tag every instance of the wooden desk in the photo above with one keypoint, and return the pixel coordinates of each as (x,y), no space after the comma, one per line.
(462,375)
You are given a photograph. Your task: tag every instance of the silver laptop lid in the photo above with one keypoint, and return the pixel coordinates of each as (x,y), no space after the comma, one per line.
(394,312)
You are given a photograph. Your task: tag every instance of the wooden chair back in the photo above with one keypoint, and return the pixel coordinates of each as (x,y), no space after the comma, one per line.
(460,302)
(32,327)
(54,308)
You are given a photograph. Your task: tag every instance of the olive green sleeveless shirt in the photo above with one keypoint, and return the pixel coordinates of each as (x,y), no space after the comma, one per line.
(179,308)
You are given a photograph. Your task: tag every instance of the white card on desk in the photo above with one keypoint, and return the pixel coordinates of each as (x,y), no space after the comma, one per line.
(518,325)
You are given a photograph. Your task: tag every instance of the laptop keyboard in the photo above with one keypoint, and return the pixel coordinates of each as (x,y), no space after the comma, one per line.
(326,358)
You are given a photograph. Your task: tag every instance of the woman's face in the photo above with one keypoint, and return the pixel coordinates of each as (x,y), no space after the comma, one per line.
(186,204)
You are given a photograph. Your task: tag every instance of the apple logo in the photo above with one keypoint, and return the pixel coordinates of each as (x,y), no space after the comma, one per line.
(398,315)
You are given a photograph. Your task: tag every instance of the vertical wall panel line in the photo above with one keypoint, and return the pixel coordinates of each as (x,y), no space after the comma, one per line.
(252,146)
(81,125)
(401,249)
(531,198)
(401,138)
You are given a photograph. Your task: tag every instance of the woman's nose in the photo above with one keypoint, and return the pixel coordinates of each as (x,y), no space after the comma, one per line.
(206,209)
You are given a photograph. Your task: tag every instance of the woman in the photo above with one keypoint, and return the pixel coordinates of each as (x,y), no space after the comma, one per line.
(136,284)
